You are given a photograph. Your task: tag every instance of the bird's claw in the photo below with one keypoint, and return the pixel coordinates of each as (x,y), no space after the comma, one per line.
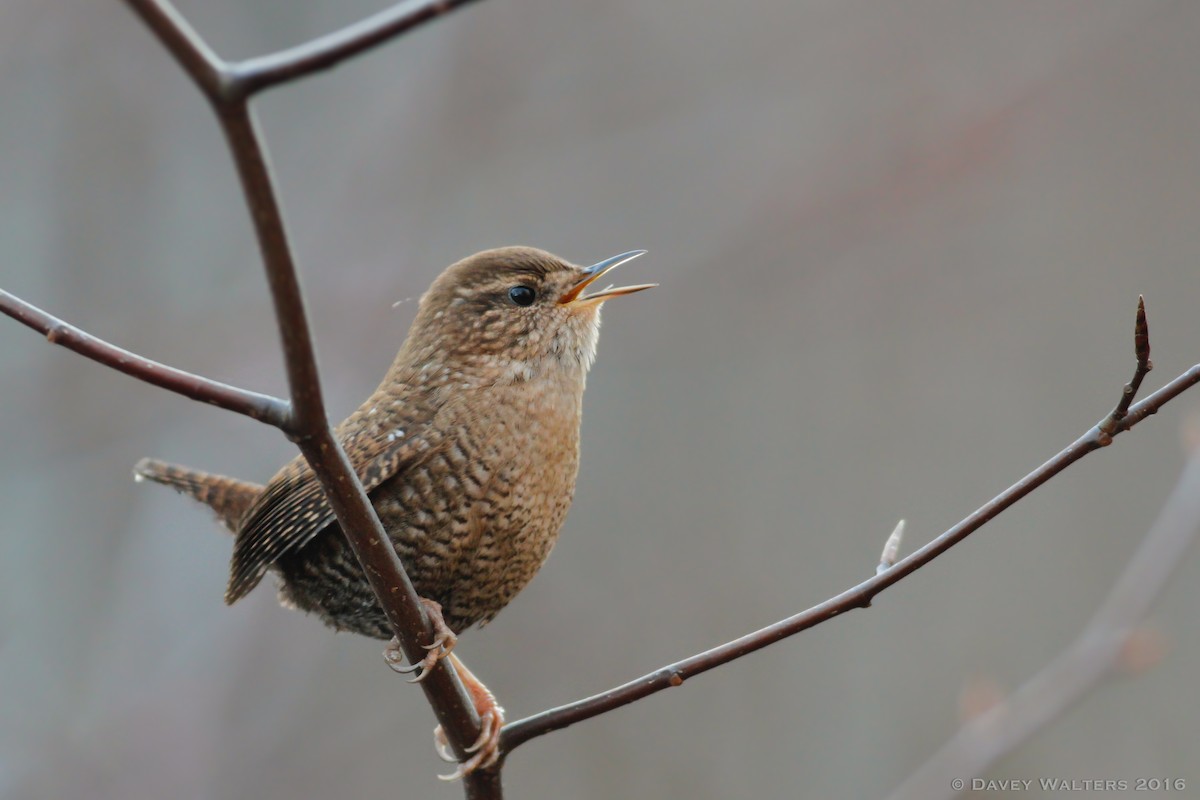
(437,651)
(442,745)
(443,642)
(485,750)
(486,724)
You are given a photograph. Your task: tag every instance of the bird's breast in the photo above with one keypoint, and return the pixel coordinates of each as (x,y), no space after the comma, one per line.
(476,521)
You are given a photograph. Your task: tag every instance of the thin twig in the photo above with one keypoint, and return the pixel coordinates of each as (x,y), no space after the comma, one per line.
(264,408)
(1141,349)
(860,596)
(1081,667)
(255,74)
(200,63)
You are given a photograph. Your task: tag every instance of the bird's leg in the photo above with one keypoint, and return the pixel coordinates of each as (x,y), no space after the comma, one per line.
(443,642)
(486,749)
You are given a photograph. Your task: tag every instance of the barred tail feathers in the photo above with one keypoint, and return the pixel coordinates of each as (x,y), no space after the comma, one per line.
(229,497)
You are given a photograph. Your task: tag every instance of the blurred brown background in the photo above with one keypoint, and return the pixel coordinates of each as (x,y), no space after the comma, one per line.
(900,246)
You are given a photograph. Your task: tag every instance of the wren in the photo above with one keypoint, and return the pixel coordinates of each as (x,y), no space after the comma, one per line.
(468,450)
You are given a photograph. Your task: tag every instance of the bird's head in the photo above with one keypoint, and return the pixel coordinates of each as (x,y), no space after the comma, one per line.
(518,309)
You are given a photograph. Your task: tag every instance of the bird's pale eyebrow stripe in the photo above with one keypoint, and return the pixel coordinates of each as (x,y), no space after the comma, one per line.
(503,277)
(534,271)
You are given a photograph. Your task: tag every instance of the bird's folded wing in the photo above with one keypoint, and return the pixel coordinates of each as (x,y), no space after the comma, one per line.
(293,509)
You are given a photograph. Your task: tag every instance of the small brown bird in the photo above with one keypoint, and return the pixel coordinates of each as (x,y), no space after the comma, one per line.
(468,449)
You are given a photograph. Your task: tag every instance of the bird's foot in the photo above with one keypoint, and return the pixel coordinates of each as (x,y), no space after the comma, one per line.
(444,640)
(484,752)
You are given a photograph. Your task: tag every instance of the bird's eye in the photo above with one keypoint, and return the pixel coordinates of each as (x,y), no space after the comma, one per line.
(522,295)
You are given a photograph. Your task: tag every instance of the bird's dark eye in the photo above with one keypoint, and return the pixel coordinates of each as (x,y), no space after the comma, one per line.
(522,295)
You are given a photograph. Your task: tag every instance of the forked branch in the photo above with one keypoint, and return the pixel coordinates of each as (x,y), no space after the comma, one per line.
(226,83)
(229,88)
(1141,349)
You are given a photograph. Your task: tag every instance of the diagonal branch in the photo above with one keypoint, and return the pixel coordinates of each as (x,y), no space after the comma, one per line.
(309,428)
(1082,666)
(261,407)
(299,355)
(255,74)
(860,596)
(200,63)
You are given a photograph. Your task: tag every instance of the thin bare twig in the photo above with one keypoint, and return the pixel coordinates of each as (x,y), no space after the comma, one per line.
(200,63)
(227,83)
(1081,667)
(860,596)
(255,74)
(1141,349)
(264,408)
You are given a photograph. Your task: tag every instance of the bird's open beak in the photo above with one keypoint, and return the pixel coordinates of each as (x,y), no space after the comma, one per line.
(598,271)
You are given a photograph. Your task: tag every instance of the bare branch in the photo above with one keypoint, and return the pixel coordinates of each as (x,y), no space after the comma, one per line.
(1082,666)
(200,63)
(308,425)
(225,83)
(860,596)
(261,407)
(308,412)
(255,74)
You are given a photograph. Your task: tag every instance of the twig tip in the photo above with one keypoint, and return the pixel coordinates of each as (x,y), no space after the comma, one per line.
(1141,335)
(891,549)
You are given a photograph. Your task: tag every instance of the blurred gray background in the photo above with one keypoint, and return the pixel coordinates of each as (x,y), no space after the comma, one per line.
(900,246)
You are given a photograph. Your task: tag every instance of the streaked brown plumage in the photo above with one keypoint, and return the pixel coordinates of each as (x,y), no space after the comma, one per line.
(468,449)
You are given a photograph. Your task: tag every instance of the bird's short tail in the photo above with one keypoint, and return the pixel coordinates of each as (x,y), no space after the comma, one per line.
(229,497)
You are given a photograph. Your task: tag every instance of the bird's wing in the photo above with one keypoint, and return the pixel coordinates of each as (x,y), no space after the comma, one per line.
(293,509)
